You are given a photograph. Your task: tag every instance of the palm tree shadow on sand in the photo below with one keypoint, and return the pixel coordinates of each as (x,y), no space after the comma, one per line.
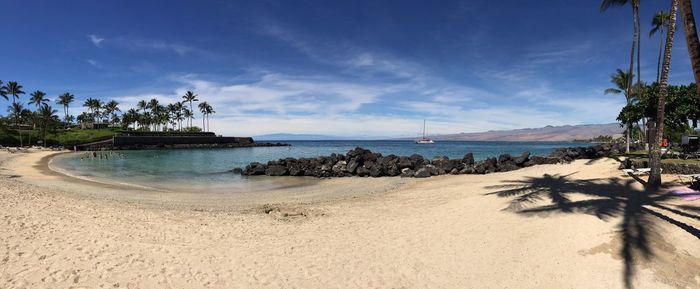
(640,210)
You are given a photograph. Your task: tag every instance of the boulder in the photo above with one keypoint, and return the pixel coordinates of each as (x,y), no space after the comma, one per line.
(276,170)
(254,169)
(376,171)
(407,173)
(468,159)
(362,171)
(340,167)
(442,163)
(352,165)
(524,157)
(237,171)
(422,173)
(405,163)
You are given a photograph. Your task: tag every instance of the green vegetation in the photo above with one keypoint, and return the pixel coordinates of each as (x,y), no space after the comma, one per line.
(101,120)
(62,137)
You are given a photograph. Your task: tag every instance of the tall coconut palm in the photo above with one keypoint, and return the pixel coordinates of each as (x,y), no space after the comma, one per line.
(46,116)
(65,100)
(190,97)
(691,38)
(209,110)
(604,5)
(188,114)
(621,80)
(111,108)
(659,24)
(38,99)
(655,164)
(203,109)
(13,88)
(3,94)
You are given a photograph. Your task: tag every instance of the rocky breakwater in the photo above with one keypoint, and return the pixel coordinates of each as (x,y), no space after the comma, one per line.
(364,163)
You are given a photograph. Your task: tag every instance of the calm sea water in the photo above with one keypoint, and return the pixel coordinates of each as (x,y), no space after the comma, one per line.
(207,169)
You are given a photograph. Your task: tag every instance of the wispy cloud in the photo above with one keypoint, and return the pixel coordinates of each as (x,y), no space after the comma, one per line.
(94,63)
(96,40)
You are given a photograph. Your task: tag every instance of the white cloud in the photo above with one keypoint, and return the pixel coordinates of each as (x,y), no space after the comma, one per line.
(94,63)
(96,40)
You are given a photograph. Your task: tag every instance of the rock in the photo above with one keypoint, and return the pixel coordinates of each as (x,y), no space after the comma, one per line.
(520,161)
(376,171)
(422,173)
(254,169)
(468,159)
(442,163)
(362,171)
(405,163)
(393,170)
(407,173)
(352,166)
(340,167)
(237,171)
(276,170)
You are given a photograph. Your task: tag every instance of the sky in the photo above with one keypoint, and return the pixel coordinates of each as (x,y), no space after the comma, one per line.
(343,68)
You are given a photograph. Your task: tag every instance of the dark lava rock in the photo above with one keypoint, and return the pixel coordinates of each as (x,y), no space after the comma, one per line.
(407,173)
(422,173)
(276,170)
(468,159)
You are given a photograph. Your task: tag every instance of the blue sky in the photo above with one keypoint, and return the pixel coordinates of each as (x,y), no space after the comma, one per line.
(360,68)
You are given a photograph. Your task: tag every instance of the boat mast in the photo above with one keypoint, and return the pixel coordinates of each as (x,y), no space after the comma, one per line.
(423,128)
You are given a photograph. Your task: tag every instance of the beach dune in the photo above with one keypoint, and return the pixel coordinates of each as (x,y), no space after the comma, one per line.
(466,231)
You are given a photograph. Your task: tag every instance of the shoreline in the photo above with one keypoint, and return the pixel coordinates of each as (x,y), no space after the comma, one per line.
(36,170)
(443,232)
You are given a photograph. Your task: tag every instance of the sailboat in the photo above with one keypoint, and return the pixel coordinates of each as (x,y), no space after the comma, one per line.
(424,140)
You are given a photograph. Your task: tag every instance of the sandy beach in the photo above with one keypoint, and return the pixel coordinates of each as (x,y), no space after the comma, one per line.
(580,225)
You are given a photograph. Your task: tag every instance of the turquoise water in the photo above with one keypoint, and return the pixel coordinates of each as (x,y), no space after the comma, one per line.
(207,169)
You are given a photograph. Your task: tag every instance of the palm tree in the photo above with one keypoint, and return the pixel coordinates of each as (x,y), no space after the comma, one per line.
(38,99)
(179,107)
(14,89)
(209,110)
(691,38)
(190,97)
(622,79)
(655,164)
(65,100)
(635,36)
(47,115)
(188,114)
(203,109)
(658,23)
(111,108)
(3,94)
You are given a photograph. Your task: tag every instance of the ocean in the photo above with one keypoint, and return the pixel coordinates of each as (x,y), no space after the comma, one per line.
(208,169)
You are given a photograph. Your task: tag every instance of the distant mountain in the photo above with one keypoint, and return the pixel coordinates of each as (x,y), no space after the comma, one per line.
(291,136)
(548,133)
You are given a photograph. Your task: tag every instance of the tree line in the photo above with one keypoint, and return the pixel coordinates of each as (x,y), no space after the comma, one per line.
(147,116)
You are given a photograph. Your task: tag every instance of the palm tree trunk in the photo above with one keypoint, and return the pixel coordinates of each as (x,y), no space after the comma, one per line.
(691,38)
(639,48)
(661,52)
(629,84)
(655,174)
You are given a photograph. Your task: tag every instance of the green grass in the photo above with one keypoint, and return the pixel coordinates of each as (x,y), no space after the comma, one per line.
(58,137)
(642,156)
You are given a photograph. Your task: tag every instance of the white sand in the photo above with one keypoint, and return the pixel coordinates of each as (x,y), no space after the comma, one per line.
(442,232)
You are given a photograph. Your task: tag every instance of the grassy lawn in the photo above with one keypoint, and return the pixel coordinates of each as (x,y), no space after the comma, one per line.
(57,137)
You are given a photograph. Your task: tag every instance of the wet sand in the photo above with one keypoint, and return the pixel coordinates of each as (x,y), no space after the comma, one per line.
(588,227)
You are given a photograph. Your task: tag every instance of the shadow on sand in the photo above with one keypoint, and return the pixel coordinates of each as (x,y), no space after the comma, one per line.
(640,210)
